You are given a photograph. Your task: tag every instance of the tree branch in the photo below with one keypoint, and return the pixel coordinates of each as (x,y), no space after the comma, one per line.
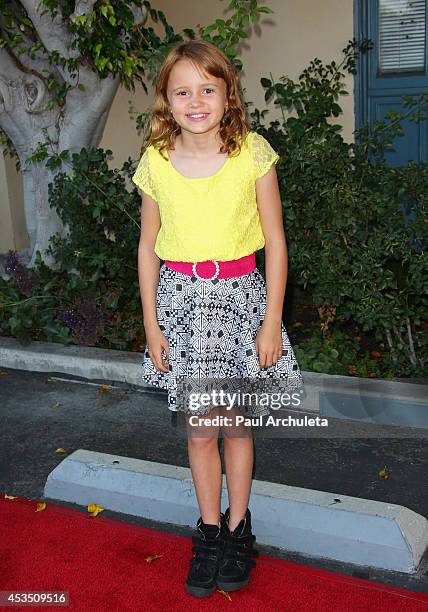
(52,30)
(28,39)
(390,344)
(140,14)
(411,345)
(53,33)
(8,67)
(34,66)
(82,7)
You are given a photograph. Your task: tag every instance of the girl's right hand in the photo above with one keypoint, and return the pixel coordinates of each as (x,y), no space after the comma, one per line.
(156,344)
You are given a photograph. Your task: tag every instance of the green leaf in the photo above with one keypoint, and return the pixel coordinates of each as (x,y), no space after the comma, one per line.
(209,28)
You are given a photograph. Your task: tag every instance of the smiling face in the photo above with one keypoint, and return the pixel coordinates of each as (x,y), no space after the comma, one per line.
(197,100)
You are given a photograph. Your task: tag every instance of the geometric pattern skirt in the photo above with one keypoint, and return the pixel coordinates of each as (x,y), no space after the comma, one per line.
(211,326)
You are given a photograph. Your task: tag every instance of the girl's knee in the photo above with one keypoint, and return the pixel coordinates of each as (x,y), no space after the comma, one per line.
(202,430)
(233,427)
(202,441)
(236,433)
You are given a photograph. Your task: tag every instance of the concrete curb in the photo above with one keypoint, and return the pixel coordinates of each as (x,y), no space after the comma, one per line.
(83,361)
(369,400)
(315,523)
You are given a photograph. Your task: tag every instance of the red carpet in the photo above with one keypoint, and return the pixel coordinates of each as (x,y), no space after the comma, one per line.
(101,563)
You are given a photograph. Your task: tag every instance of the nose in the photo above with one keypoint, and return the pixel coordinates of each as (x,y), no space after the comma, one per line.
(196,98)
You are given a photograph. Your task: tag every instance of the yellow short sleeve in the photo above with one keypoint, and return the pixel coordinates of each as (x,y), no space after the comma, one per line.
(143,177)
(263,155)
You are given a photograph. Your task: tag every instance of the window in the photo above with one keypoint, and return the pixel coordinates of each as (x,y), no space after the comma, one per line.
(402,36)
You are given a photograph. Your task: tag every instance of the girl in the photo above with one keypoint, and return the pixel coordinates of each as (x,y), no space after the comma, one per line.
(210,199)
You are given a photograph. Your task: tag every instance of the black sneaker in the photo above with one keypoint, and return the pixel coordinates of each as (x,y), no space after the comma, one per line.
(236,563)
(209,543)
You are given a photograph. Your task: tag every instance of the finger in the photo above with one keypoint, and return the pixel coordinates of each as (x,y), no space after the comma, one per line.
(275,359)
(269,357)
(164,363)
(165,360)
(157,360)
(165,349)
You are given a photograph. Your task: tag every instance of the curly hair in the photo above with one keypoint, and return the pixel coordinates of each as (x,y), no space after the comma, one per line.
(209,59)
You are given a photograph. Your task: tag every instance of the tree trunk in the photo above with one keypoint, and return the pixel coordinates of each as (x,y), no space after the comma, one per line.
(42,220)
(24,95)
(83,127)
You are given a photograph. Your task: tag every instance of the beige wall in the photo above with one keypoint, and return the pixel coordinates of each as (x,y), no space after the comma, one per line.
(13,231)
(282,43)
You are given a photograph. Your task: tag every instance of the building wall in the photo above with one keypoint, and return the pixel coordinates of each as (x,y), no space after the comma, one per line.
(283,43)
(13,230)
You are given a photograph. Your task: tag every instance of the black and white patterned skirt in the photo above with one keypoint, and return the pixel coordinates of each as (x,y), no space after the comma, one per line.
(211,326)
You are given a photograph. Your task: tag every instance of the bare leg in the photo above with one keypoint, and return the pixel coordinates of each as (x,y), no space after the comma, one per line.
(239,458)
(205,465)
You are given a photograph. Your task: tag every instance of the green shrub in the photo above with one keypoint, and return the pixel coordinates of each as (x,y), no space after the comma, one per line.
(349,242)
(92,297)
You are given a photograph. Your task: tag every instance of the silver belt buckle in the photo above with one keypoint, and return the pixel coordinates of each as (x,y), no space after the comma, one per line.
(216,273)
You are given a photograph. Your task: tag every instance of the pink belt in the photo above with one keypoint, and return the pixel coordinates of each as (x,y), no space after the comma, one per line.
(211,268)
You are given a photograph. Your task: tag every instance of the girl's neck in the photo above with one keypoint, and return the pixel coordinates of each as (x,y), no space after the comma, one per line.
(197,144)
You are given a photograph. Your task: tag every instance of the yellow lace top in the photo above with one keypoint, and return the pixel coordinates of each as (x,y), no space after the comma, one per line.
(213,217)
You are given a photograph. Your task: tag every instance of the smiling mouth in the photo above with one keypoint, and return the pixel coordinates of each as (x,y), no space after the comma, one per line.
(197,115)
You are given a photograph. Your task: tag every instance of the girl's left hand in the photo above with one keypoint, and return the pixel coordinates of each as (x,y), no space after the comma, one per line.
(269,344)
